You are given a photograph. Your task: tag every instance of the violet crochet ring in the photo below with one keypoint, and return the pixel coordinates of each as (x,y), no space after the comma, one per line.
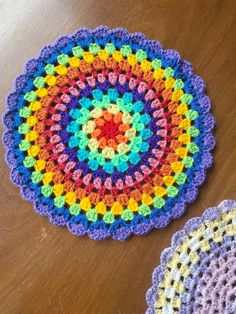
(108,133)
(198,272)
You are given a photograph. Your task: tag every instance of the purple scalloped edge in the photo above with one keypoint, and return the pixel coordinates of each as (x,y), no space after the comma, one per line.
(211,213)
(204,102)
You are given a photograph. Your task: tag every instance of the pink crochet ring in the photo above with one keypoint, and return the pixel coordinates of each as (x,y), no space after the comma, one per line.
(197,273)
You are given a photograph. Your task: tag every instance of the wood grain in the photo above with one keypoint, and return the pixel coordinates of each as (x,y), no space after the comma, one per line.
(45,269)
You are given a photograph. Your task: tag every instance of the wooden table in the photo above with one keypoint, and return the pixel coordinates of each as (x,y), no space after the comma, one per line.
(45,269)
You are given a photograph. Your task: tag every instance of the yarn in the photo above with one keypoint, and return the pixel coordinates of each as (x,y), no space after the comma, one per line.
(108,133)
(198,272)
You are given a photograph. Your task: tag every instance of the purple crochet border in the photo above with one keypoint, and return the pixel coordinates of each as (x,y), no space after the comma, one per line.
(193,224)
(121,233)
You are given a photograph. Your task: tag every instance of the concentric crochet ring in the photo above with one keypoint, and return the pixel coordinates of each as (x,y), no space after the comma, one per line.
(198,272)
(108,133)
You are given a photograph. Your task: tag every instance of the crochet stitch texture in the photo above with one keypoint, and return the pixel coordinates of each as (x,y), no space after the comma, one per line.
(198,272)
(108,133)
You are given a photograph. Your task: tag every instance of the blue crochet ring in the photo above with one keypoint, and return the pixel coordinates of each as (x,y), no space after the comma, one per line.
(108,133)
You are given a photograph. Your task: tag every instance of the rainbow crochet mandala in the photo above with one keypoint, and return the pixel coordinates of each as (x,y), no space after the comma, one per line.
(108,133)
(198,272)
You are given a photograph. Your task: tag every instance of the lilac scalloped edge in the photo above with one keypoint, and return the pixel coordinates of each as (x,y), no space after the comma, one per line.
(190,195)
(211,213)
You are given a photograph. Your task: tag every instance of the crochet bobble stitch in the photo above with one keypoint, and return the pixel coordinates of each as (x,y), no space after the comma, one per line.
(108,133)
(198,272)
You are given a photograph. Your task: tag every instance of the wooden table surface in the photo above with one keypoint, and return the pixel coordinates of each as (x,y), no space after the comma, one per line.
(45,269)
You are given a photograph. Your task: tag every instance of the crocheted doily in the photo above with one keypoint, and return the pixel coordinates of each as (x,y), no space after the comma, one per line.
(108,133)
(198,272)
